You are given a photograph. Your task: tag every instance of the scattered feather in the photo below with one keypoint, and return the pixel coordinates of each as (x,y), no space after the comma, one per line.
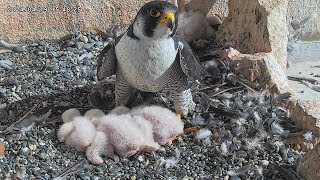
(239,171)
(172,161)
(199,121)
(224,148)
(257,116)
(140,158)
(308,136)
(254,143)
(276,128)
(203,134)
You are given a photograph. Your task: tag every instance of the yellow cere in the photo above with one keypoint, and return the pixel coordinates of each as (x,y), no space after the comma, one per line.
(167,16)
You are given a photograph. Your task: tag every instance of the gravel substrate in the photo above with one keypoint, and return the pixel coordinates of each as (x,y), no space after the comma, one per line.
(242,134)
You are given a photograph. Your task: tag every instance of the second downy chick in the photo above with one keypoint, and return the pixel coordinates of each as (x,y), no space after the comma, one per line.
(125,133)
(94,115)
(77,131)
(165,124)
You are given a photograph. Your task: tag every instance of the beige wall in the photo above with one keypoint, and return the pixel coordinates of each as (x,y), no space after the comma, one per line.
(58,22)
(298,10)
(103,13)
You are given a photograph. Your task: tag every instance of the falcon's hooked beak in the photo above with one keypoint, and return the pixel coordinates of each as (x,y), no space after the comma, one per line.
(167,20)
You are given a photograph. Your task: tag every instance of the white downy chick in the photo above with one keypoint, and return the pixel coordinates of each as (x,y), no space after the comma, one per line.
(94,115)
(146,128)
(70,114)
(194,26)
(78,133)
(165,124)
(100,146)
(119,110)
(144,125)
(124,134)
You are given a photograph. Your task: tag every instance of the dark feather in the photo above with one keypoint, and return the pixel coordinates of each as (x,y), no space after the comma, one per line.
(189,63)
(107,60)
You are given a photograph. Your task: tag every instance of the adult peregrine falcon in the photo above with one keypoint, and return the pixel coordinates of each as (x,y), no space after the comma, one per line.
(150,57)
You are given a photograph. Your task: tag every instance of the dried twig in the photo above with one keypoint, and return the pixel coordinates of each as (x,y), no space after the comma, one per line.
(224,90)
(212,86)
(232,77)
(13,126)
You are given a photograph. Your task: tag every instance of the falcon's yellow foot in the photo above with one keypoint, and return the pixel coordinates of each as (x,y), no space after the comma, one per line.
(170,142)
(178,114)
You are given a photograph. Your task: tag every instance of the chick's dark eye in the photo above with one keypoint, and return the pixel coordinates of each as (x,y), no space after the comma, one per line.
(154,13)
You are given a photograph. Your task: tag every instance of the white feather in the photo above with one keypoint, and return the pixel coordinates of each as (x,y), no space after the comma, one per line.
(308,136)
(276,128)
(172,161)
(203,134)
(254,143)
(224,148)
(198,121)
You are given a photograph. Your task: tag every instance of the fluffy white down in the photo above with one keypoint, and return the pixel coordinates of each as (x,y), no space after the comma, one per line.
(119,110)
(165,123)
(94,115)
(70,114)
(82,135)
(146,127)
(123,132)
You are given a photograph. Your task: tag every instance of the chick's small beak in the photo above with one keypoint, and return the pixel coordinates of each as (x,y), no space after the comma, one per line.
(167,20)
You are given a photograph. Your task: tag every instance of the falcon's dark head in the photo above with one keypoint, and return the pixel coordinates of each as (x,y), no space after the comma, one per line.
(156,19)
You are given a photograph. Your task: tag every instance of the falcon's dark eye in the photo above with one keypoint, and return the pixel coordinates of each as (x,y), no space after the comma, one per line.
(154,13)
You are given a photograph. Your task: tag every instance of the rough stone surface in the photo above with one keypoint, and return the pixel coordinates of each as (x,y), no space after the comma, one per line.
(259,67)
(204,6)
(305,112)
(57,21)
(309,167)
(255,26)
(299,10)
(220,8)
(54,19)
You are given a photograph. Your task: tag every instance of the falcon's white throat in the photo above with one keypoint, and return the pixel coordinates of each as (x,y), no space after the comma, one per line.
(159,31)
